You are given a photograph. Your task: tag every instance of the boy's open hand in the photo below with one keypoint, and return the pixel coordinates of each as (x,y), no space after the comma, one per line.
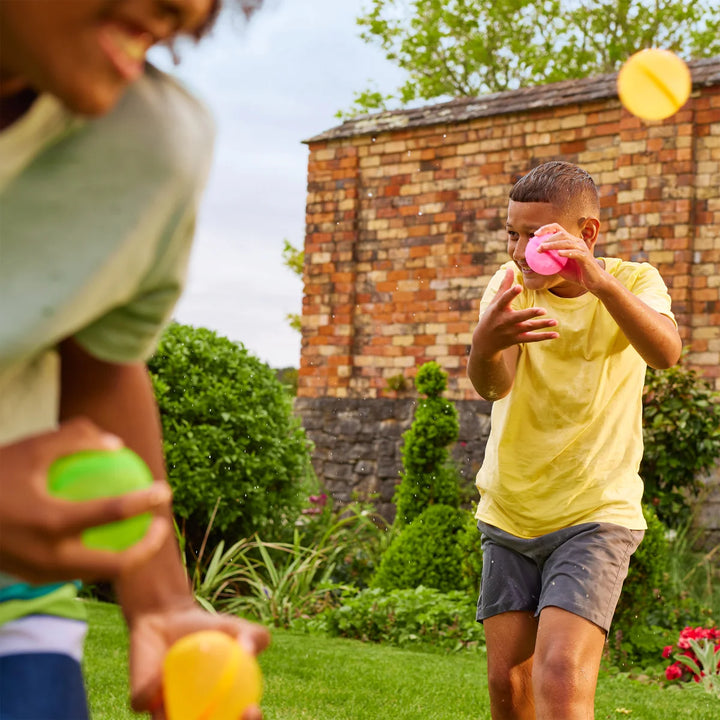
(501,327)
(40,535)
(153,633)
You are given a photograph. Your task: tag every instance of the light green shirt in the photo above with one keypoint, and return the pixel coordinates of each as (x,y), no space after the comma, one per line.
(96,222)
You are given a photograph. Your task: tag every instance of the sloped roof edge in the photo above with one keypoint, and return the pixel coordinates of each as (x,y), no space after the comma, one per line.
(705,72)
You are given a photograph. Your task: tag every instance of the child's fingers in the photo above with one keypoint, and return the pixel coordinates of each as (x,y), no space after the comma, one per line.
(39,558)
(109,565)
(535,336)
(550,229)
(75,516)
(252,713)
(75,435)
(508,290)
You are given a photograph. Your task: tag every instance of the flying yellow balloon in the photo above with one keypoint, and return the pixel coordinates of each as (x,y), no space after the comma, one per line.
(208,676)
(654,83)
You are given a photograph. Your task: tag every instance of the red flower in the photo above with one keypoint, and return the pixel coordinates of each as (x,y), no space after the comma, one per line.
(678,670)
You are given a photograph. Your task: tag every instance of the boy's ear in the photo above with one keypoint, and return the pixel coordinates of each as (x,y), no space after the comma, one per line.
(589,231)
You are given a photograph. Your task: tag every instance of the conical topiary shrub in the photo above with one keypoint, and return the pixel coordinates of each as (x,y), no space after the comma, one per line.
(428,478)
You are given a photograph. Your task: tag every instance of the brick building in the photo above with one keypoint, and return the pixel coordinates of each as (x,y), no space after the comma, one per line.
(405,226)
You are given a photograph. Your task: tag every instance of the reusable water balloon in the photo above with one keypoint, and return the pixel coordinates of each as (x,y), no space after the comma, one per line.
(654,83)
(91,474)
(208,675)
(544,263)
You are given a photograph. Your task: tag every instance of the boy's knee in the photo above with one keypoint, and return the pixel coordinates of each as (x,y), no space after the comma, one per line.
(512,685)
(561,679)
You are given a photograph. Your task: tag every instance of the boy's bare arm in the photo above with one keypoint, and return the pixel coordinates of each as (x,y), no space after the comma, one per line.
(119,398)
(156,598)
(494,350)
(652,334)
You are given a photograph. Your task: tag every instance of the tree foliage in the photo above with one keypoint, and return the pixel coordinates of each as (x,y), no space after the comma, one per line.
(454,48)
(230,436)
(294,260)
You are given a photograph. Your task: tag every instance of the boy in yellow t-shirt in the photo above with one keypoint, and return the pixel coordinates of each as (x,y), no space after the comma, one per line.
(564,357)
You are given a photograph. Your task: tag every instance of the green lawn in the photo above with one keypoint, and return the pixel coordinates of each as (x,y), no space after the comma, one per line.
(309,677)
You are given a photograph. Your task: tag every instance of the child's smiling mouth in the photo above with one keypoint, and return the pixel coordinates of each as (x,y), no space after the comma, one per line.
(126,48)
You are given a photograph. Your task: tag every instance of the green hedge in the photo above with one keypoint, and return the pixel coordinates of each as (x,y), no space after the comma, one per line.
(230,436)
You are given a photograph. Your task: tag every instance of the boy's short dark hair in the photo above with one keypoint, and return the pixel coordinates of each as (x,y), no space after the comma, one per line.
(559,183)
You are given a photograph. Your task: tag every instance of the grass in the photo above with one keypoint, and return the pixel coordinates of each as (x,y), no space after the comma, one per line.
(309,677)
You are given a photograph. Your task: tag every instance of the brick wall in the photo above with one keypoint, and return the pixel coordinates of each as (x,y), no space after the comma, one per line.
(405,226)
(406,210)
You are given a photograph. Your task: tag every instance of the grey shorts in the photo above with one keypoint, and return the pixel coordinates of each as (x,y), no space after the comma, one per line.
(580,569)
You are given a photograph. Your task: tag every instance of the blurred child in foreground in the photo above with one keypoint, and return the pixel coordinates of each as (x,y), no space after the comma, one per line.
(102,163)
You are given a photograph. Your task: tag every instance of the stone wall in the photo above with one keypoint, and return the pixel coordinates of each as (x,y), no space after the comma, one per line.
(358,445)
(405,226)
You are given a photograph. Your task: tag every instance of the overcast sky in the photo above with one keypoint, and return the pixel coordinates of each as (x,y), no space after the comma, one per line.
(270,84)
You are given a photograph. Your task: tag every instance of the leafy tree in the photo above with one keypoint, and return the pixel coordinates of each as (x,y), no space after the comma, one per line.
(453,48)
(294,260)
(230,437)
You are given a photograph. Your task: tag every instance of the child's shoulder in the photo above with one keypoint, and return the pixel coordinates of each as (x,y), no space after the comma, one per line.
(630,272)
(168,100)
(165,123)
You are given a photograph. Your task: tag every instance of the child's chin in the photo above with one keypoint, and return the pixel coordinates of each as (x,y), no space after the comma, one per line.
(94,102)
(535,281)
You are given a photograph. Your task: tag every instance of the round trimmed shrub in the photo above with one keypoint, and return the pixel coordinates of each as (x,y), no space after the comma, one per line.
(427,552)
(230,436)
(681,433)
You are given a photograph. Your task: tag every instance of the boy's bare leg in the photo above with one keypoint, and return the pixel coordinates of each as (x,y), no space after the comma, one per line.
(567,661)
(510,639)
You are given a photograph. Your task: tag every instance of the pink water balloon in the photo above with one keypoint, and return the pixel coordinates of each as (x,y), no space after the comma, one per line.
(544,263)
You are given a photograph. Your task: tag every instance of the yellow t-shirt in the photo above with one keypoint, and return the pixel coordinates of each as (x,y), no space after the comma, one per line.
(565,444)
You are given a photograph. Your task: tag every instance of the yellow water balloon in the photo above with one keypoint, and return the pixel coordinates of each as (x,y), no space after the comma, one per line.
(654,83)
(208,675)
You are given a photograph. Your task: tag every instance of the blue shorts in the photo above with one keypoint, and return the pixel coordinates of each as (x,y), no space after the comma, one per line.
(580,569)
(40,673)
(40,686)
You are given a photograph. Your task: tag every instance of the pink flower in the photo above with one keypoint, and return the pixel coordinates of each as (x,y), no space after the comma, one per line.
(673,672)
(667,651)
